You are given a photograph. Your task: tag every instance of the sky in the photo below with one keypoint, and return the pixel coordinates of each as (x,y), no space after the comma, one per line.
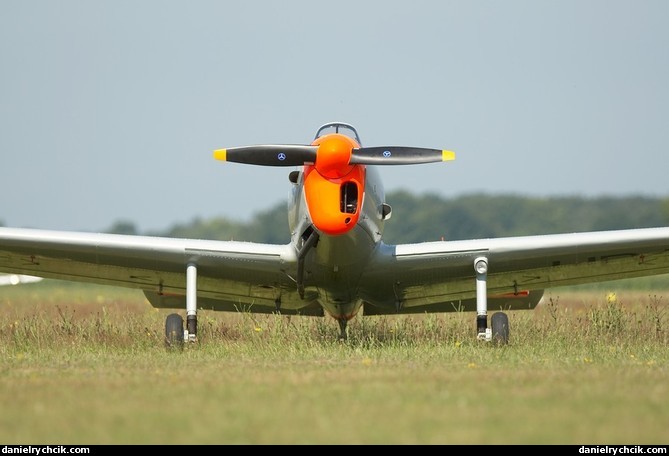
(110,110)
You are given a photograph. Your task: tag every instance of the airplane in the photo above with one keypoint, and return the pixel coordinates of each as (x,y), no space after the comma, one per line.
(336,262)
(16,279)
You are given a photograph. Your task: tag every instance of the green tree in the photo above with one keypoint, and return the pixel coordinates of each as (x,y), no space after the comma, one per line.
(123,227)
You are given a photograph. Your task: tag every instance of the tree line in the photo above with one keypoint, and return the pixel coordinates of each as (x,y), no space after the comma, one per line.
(429,217)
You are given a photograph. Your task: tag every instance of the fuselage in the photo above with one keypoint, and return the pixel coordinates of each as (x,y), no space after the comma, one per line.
(344,205)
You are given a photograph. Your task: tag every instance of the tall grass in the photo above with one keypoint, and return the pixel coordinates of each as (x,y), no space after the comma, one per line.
(93,322)
(89,365)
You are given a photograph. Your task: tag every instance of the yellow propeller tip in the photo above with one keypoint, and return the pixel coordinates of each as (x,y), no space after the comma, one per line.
(220,154)
(447,155)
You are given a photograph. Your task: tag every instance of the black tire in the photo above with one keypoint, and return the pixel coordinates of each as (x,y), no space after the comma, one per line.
(174,331)
(500,328)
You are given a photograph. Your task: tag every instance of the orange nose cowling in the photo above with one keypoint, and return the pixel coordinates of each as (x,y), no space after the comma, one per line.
(327,185)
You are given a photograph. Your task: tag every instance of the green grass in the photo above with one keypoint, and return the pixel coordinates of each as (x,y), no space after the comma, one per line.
(86,365)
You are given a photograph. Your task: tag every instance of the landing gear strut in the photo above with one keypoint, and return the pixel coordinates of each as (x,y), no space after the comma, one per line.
(175,335)
(342,328)
(191,303)
(499,333)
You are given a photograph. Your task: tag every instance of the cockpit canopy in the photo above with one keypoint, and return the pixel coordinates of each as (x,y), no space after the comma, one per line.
(338,127)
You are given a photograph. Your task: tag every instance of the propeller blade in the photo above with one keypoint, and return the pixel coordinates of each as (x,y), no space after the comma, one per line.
(397,155)
(269,155)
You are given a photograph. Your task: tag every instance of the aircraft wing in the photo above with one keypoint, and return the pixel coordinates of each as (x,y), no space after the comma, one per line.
(440,276)
(230,275)
(423,277)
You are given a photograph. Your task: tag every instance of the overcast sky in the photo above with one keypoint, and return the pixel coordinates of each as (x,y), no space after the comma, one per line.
(110,110)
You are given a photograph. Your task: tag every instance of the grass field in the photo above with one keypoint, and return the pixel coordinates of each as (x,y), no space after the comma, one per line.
(86,364)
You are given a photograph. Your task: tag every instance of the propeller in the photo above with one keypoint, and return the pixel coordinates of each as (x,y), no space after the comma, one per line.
(269,155)
(297,155)
(398,155)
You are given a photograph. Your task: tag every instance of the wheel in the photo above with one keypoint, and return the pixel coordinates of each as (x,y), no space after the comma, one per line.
(500,328)
(174,331)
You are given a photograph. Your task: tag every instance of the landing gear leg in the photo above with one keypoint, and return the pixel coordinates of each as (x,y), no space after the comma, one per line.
(191,303)
(342,329)
(482,330)
(499,333)
(175,333)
